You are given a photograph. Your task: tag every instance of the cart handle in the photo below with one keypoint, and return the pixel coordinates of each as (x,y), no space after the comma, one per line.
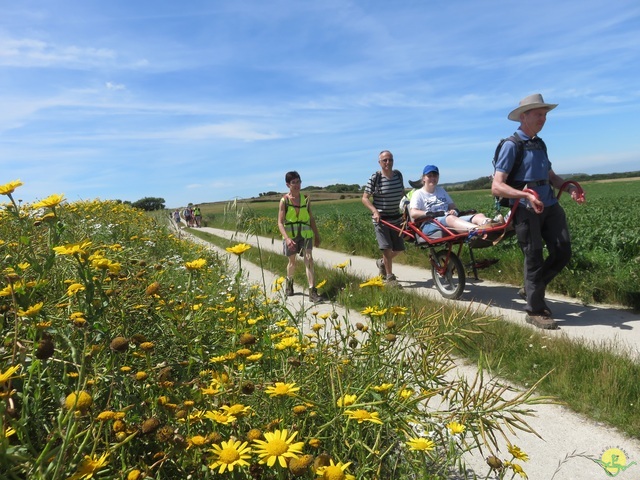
(579,191)
(535,194)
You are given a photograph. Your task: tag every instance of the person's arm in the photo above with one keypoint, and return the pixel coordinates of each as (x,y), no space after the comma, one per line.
(366,201)
(557,181)
(499,188)
(312,223)
(283,231)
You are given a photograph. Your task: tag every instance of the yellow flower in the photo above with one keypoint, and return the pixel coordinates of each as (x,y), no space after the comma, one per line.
(321,284)
(51,201)
(363,416)
(421,444)
(373,282)
(230,454)
(32,311)
(277,446)
(346,400)
(385,387)
(198,264)
(8,188)
(9,374)
(106,415)
(334,471)
(282,390)
(197,441)
(79,248)
(74,288)
(398,310)
(80,401)
(368,311)
(517,453)
(89,466)
(343,265)
(238,249)
(220,417)
(516,469)
(237,410)
(455,428)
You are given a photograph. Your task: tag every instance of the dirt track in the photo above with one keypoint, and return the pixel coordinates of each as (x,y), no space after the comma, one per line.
(564,433)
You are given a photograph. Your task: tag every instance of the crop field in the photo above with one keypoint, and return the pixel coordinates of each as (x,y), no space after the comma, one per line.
(605,265)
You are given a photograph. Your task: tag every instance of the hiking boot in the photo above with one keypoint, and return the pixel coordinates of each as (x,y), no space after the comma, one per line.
(289,288)
(523,295)
(381,268)
(314,296)
(392,281)
(541,320)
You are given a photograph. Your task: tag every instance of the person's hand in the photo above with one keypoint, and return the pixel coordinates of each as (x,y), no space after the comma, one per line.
(376,216)
(578,196)
(290,243)
(536,204)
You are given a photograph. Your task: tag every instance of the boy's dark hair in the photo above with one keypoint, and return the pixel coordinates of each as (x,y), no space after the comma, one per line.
(291,176)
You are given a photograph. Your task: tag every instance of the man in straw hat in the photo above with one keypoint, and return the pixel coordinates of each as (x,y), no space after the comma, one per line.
(537,221)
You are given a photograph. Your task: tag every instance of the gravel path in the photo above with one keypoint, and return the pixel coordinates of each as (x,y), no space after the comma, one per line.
(564,434)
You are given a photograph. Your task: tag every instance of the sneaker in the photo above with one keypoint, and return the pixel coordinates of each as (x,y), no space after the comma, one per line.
(381,268)
(289,288)
(541,320)
(392,281)
(314,296)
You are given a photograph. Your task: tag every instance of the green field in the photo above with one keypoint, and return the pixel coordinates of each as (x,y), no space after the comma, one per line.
(605,235)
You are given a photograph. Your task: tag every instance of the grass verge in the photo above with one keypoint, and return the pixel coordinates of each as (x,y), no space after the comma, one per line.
(594,380)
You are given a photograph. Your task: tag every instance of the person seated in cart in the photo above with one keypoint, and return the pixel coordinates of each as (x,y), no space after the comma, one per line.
(431,199)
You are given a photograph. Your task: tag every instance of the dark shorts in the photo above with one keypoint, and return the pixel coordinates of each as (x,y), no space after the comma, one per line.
(388,238)
(301,243)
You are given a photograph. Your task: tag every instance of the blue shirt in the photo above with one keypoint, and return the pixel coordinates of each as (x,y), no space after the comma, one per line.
(535,167)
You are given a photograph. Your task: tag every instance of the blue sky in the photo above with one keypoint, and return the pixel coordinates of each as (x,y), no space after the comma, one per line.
(201,101)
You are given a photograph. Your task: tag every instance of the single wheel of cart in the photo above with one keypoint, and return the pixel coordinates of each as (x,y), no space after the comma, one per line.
(448,274)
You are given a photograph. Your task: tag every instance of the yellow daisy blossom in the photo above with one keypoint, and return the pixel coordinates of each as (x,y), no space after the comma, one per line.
(198,264)
(89,466)
(346,400)
(343,265)
(455,428)
(230,454)
(421,444)
(335,471)
(9,374)
(282,390)
(278,447)
(9,188)
(373,282)
(362,415)
(50,202)
(238,249)
(32,311)
(220,417)
(517,453)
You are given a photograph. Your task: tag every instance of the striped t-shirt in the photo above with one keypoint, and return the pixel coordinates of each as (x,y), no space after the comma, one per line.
(387,193)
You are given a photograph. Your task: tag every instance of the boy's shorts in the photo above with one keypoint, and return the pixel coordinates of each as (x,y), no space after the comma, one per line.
(389,239)
(301,243)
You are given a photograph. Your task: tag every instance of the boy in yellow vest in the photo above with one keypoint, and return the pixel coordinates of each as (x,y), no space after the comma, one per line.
(299,233)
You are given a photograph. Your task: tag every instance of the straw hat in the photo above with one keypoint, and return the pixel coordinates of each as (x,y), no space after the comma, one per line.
(529,103)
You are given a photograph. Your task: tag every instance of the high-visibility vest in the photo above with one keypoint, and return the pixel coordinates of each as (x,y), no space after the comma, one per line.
(297,223)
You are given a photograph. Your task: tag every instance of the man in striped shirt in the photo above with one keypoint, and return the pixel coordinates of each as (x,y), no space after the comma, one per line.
(381,196)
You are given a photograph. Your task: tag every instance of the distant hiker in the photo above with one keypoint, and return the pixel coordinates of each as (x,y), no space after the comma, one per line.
(299,233)
(387,189)
(538,221)
(176,217)
(197,216)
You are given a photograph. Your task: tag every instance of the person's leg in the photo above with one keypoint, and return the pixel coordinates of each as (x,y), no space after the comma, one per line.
(458,224)
(555,233)
(308,263)
(528,232)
